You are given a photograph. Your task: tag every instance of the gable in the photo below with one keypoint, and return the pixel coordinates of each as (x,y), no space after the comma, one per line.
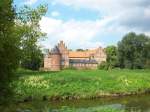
(81,54)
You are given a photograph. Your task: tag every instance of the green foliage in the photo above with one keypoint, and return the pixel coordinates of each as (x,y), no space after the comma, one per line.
(32,59)
(103,66)
(80,50)
(81,84)
(111,60)
(111,52)
(9,48)
(31,34)
(147,64)
(147,54)
(133,51)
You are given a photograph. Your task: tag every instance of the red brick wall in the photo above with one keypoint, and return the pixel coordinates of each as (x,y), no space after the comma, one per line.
(55,62)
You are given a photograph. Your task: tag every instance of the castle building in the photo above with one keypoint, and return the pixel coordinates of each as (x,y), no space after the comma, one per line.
(60,57)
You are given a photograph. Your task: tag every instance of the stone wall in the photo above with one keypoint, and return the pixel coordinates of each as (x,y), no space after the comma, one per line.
(84,66)
(55,62)
(100,55)
(47,63)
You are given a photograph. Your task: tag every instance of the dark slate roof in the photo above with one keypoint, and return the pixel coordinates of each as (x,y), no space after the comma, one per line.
(55,50)
(83,61)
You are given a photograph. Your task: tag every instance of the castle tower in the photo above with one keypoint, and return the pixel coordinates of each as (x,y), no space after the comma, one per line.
(47,62)
(64,54)
(55,59)
(100,55)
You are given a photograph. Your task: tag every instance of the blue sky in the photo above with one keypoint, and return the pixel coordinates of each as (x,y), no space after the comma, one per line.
(91,23)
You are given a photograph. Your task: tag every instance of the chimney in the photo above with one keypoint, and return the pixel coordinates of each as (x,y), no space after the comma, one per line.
(61,42)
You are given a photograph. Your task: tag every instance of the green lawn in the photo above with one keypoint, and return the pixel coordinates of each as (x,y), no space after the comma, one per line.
(80,84)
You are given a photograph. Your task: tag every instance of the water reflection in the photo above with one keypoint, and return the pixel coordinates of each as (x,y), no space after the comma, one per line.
(139,103)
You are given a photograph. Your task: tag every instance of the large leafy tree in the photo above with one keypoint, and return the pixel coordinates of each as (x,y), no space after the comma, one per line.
(31,34)
(9,48)
(133,51)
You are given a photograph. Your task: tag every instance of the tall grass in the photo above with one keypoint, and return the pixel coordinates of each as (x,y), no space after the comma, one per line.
(80,84)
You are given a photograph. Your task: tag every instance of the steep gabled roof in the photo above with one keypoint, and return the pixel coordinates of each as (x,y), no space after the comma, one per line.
(81,54)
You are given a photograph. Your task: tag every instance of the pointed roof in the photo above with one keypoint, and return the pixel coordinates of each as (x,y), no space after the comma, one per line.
(55,50)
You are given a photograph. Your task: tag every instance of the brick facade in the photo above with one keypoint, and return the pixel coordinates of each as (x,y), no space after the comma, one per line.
(60,57)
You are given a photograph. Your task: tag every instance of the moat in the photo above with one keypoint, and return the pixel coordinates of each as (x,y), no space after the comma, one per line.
(140,103)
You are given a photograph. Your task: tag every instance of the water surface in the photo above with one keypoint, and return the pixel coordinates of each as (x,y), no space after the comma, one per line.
(139,103)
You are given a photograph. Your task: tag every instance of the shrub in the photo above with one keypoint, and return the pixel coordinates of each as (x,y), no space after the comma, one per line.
(147,65)
(103,66)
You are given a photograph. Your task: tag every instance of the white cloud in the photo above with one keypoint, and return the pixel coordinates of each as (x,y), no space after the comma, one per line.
(118,17)
(78,34)
(147,13)
(131,13)
(106,5)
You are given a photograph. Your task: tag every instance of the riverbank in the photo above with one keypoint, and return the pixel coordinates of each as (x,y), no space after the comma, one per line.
(136,103)
(80,84)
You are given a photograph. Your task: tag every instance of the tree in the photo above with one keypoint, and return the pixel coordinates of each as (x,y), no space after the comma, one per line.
(80,50)
(9,48)
(111,60)
(133,51)
(31,34)
(147,54)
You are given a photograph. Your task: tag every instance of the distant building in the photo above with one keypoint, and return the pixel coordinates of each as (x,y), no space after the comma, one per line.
(61,57)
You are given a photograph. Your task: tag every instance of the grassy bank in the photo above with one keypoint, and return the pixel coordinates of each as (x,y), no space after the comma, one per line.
(80,84)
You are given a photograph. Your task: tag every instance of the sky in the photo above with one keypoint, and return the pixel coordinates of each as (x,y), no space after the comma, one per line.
(91,23)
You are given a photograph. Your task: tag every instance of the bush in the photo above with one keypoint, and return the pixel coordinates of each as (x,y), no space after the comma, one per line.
(147,65)
(103,66)
(32,59)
